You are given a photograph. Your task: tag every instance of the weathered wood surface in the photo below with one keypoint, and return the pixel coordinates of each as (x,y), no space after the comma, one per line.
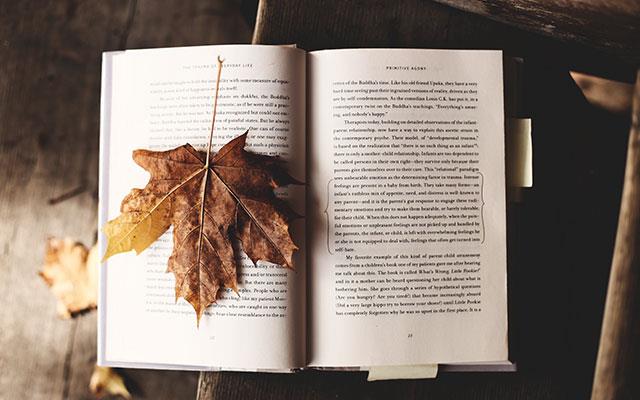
(50,55)
(611,26)
(562,235)
(414,23)
(619,353)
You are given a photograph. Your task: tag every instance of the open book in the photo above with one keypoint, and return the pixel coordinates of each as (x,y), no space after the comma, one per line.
(402,255)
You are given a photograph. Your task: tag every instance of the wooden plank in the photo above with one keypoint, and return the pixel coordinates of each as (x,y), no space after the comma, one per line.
(619,354)
(317,385)
(405,23)
(49,125)
(168,23)
(610,26)
(49,82)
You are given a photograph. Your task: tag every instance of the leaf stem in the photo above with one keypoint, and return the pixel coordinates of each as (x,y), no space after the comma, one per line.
(203,200)
(215,109)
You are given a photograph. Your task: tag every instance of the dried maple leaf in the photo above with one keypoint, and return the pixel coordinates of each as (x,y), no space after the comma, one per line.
(107,382)
(71,271)
(207,204)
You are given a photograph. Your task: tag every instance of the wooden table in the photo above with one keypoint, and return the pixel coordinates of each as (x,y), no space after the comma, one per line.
(50,58)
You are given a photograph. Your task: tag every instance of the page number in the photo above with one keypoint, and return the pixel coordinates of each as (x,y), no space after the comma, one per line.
(410,335)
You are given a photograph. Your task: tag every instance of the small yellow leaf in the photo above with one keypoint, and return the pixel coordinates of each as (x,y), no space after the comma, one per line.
(72,275)
(105,381)
(138,229)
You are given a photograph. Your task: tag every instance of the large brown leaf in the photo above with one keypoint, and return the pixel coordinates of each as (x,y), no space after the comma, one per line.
(208,206)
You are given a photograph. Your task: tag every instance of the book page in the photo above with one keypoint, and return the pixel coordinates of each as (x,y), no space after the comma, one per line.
(406,207)
(159,99)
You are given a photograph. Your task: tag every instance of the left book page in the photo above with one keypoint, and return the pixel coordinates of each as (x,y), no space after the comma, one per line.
(158,99)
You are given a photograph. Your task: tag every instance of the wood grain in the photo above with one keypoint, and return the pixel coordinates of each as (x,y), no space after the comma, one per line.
(414,23)
(48,108)
(50,56)
(619,353)
(611,26)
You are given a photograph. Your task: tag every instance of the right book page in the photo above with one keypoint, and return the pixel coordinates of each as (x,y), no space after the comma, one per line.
(406,207)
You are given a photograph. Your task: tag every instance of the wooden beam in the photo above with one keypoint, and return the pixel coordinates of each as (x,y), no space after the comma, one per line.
(610,26)
(619,353)
(316,25)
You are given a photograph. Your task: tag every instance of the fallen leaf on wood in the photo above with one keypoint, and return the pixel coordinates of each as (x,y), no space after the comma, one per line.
(105,381)
(71,272)
(210,199)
